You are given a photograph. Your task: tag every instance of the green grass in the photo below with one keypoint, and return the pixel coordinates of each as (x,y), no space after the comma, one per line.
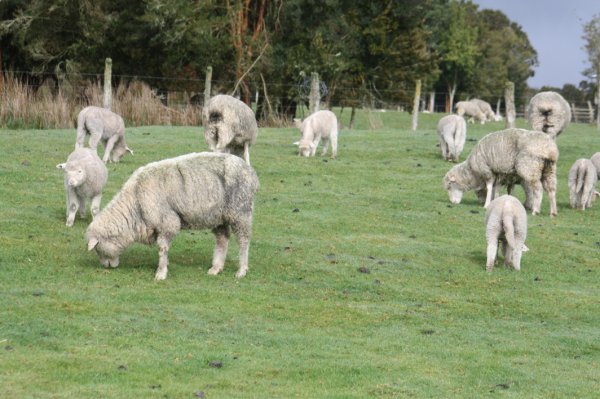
(426,321)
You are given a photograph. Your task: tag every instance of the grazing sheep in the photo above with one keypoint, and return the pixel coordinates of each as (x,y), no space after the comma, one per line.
(452,131)
(85,177)
(470,109)
(583,177)
(596,161)
(549,112)
(503,157)
(320,125)
(229,126)
(505,221)
(105,126)
(486,108)
(195,191)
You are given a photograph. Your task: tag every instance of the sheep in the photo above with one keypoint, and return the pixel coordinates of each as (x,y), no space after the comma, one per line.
(549,112)
(85,177)
(596,161)
(452,131)
(229,126)
(105,126)
(470,109)
(583,177)
(196,191)
(505,221)
(506,156)
(486,108)
(317,126)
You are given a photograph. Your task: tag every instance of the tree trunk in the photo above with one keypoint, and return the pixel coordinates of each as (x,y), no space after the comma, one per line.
(451,93)
(315,96)
(590,112)
(431,101)
(415,110)
(498,106)
(108,83)
(509,100)
(352,117)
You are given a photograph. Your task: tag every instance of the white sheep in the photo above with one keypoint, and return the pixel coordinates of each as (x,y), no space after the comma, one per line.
(195,191)
(229,126)
(486,108)
(505,221)
(317,126)
(470,109)
(583,177)
(452,131)
(596,161)
(549,112)
(85,177)
(104,126)
(508,156)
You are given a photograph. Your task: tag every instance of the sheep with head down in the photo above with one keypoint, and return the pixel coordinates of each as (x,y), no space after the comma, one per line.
(229,126)
(102,125)
(471,110)
(319,125)
(549,112)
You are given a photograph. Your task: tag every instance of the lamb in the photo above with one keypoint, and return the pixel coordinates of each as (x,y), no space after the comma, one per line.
(583,177)
(317,126)
(85,177)
(486,108)
(196,191)
(506,221)
(549,112)
(470,109)
(102,125)
(452,131)
(508,156)
(229,126)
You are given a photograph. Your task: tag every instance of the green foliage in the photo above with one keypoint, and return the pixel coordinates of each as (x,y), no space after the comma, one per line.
(375,287)
(591,35)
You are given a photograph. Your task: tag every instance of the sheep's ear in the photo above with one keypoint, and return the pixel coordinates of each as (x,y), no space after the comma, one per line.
(525,248)
(92,243)
(61,165)
(452,178)
(129,150)
(296,143)
(298,123)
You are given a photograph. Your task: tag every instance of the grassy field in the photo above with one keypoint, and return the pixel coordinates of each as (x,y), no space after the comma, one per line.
(364,281)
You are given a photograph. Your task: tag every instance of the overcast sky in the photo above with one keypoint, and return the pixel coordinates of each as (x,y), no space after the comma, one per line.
(554,28)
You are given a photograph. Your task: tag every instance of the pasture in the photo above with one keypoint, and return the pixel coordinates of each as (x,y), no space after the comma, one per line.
(364,281)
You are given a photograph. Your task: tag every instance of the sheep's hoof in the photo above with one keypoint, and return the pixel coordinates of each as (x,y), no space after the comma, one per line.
(240,274)
(161,275)
(213,271)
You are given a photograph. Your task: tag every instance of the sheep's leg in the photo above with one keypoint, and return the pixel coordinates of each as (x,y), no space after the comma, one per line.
(247,152)
(516,258)
(164,242)
(508,254)
(489,186)
(536,198)
(549,185)
(325,147)
(72,207)
(108,148)
(81,200)
(95,137)
(222,237)
(444,148)
(95,205)
(242,232)
(334,143)
(492,251)
(316,142)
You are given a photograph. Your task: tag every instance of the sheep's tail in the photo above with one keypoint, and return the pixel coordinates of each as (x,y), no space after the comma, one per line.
(580,179)
(509,229)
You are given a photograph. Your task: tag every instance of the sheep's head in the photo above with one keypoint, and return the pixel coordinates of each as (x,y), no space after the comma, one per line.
(119,150)
(305,148)
(107,251)
(74,174)
(454,189)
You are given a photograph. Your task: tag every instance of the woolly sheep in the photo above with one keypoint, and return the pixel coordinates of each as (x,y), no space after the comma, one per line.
(507,155)
(470,109)
(549,112)
(505,221)
(85,177)
(452,131)
(583,177)
(596,161)
(105,126)
(196,191)
(486,108)
(229,126)
(317,126)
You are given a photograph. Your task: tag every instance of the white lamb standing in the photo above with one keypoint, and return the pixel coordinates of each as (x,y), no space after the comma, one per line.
(229,126)
(470,109)
(549,112)
(195,191)
(505,221)
(452,131)
(508,156)
(104,126)
(486,108)
(317,126)
(85,177)
(583,177)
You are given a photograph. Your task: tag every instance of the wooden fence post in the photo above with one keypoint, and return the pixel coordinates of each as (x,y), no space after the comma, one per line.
(315,96)
(574,113)
(416,101)
(598,104)
(107,83)
(509,101)
(207,83)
